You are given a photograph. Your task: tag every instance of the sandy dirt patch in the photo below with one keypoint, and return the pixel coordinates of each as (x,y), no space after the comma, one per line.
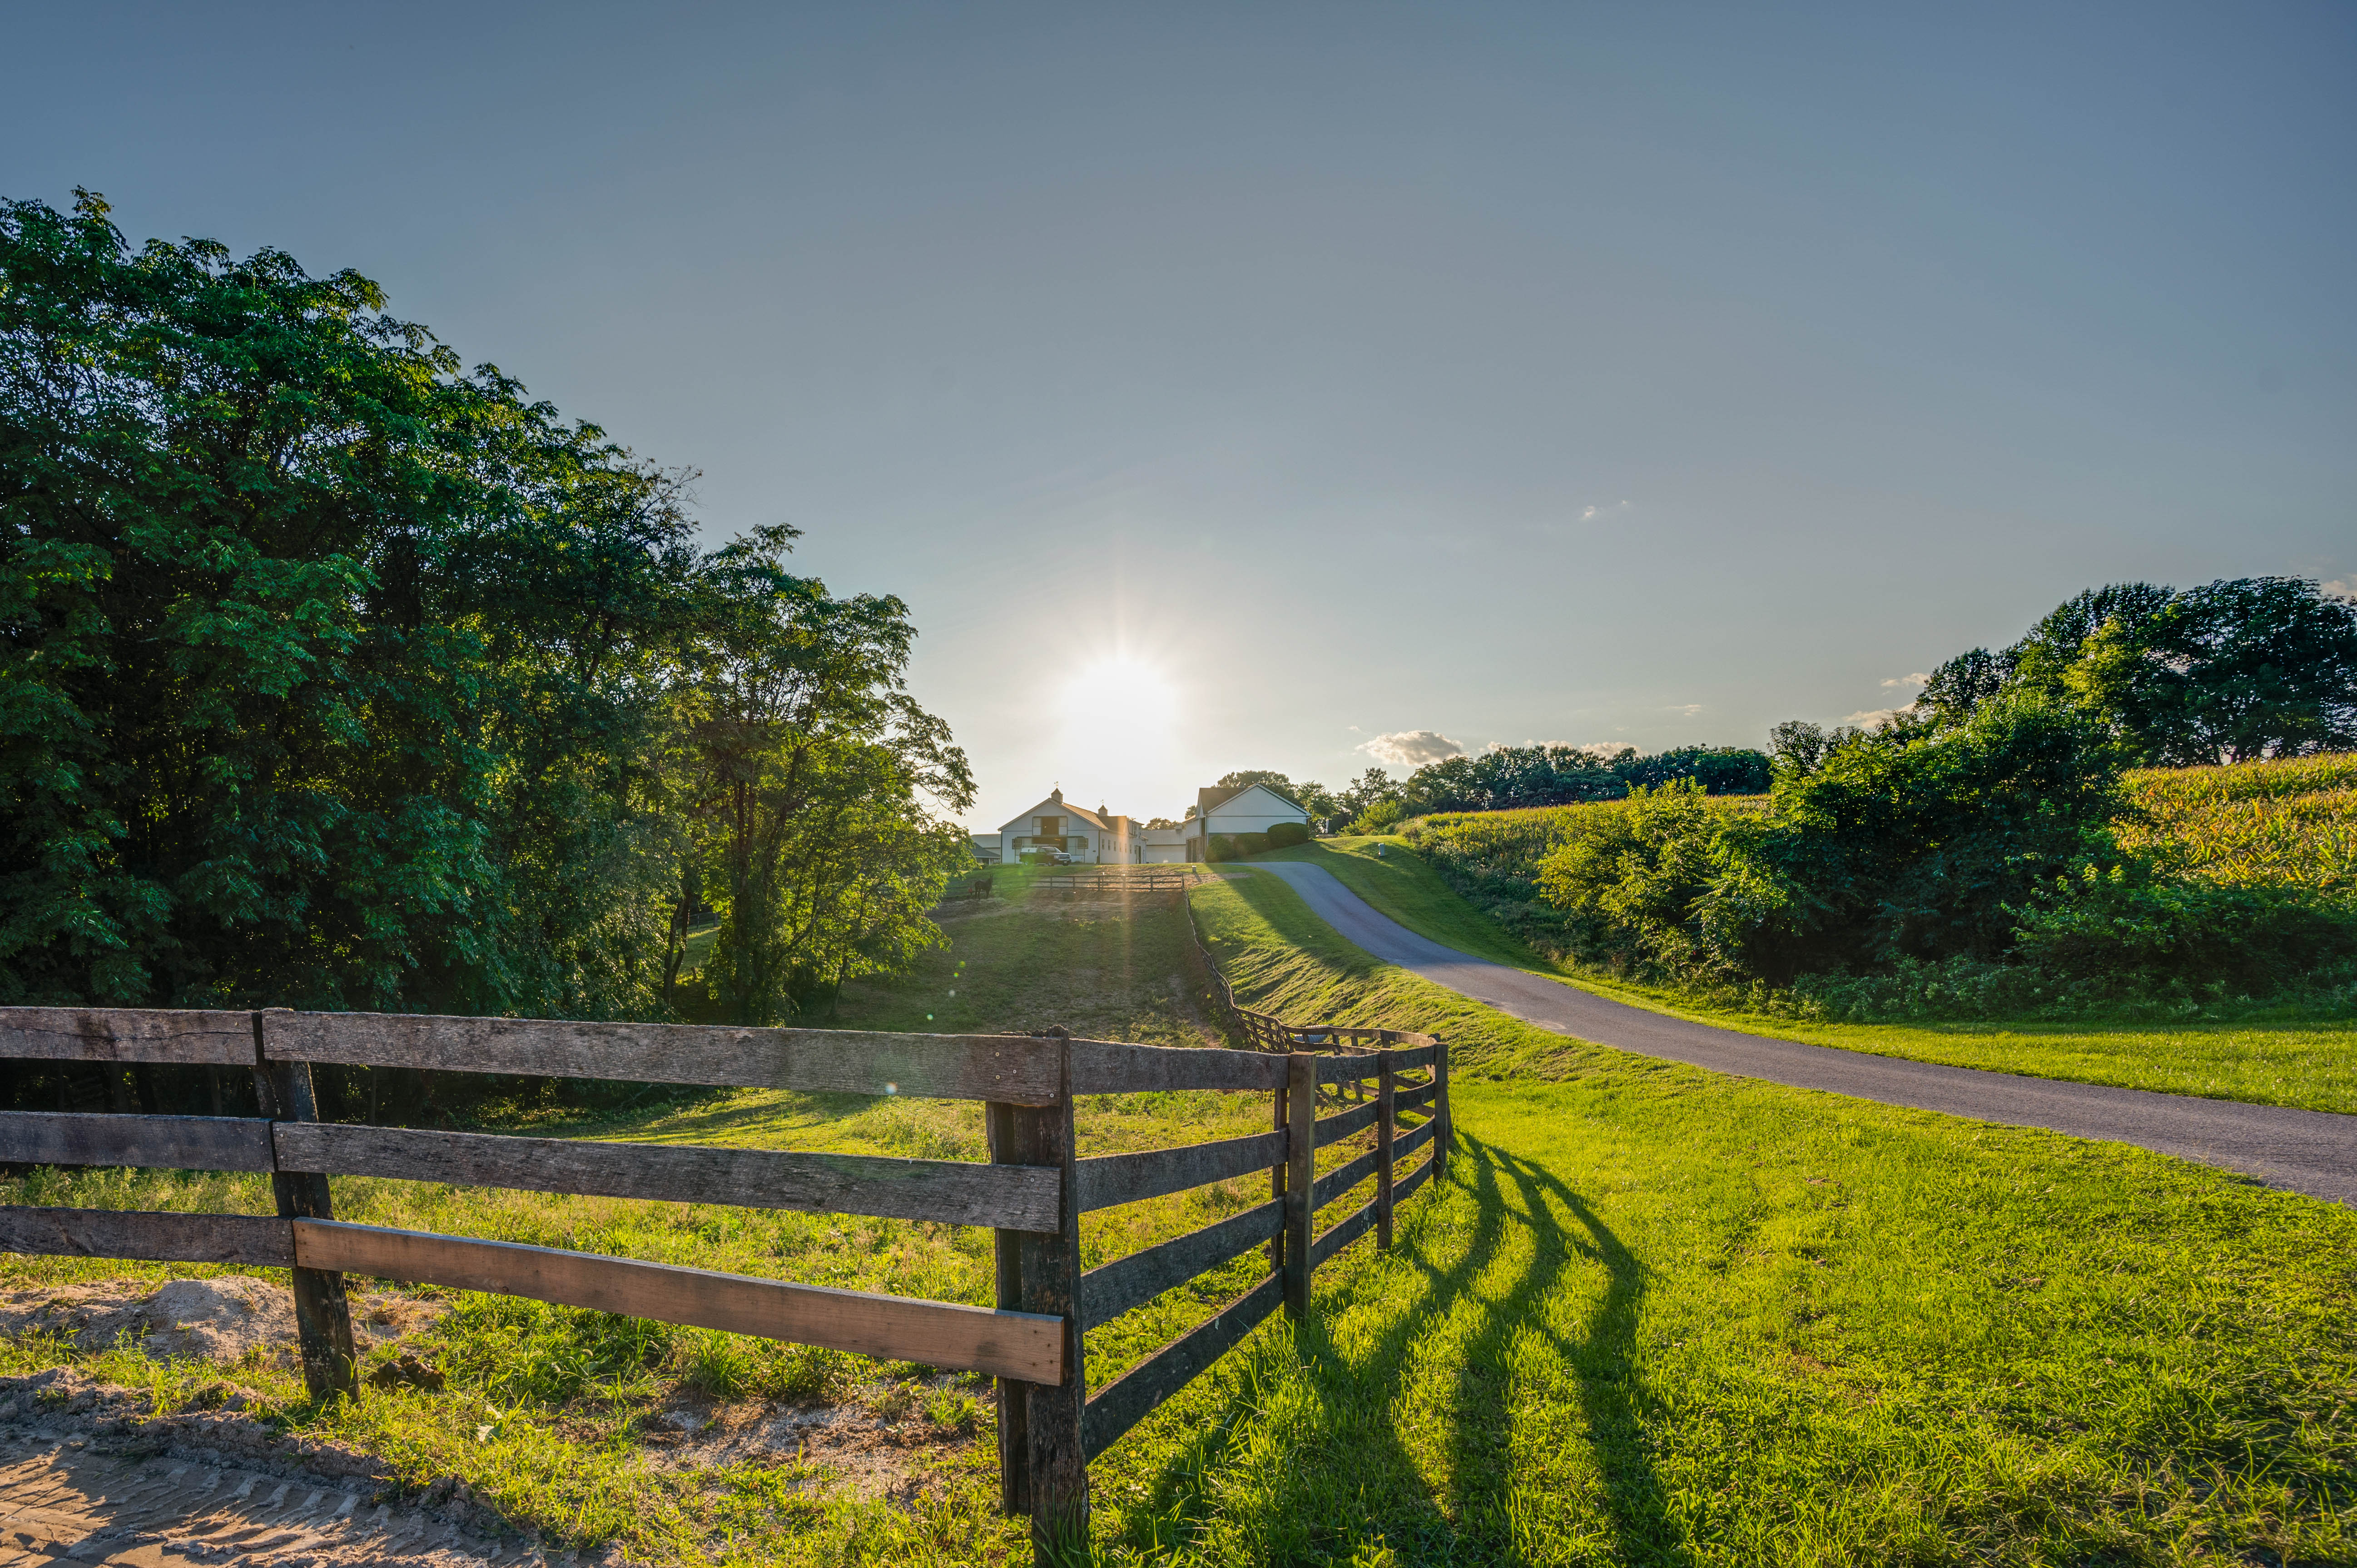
(224,1318)
(88,1473)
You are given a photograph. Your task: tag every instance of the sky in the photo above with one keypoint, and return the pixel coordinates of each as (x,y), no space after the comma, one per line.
(1315,387)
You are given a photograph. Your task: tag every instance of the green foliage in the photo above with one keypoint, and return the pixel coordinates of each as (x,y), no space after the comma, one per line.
(1379,817)
(335,676)
(808,762)
(1283,835)
(2230,672)
(1516,776)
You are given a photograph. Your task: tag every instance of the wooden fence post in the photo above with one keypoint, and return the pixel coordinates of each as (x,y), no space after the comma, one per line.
(1055,1476)
(1385,1121)
(1013,1442)
(1444,1134)
(1277,1181)
(323,1317)
(1300,1178)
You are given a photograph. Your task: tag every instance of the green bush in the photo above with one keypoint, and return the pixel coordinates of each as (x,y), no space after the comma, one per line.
(1283,835)
(1382,817)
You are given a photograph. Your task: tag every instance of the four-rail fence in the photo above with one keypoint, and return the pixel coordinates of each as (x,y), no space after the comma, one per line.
(1031,1193)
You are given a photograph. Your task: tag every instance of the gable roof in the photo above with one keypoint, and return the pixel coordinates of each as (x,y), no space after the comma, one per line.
(1212,800)
(1050,807)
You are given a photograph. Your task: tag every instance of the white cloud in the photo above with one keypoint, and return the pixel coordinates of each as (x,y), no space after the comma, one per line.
(1689,709)
(2344,586)
(1595,509)
(1919,678)
(1412,748)
(1871,718)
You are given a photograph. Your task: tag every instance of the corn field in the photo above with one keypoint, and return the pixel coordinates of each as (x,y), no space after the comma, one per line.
(2292,823)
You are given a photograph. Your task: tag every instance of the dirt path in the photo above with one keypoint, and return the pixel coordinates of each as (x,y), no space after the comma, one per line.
(83,1479)
(2311,1152)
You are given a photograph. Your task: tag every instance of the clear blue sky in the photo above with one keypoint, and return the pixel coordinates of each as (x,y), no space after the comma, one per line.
(1640,374)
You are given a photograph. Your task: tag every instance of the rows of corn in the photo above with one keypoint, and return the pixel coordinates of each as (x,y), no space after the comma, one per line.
(2292,823)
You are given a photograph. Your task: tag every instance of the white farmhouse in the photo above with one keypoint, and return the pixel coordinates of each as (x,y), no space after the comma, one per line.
(1255,809)
(1090,838)
(1102,838)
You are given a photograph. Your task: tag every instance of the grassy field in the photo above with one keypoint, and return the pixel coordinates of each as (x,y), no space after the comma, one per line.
(1654,1317)
(1662,1316)
(2303,1063)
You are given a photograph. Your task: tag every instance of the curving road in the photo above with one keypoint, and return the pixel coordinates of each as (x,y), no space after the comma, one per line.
(2312,1152)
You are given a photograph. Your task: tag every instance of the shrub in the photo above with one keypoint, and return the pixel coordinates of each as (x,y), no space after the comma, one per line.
(1382,817)
(1282,835)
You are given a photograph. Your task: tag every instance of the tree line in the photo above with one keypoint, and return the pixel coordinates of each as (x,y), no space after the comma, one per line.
(1510,777)
(333,674)
(1968,854)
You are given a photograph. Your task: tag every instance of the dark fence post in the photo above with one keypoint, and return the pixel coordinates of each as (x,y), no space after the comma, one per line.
(1276,1182)
(1013,1442)
(323,1317)
(1055,1476)
(1445,1134)
(1385,1121)
(1300,1178)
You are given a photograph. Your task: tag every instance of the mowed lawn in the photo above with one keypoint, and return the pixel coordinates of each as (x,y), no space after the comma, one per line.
(1653,1316)
(2305,1063)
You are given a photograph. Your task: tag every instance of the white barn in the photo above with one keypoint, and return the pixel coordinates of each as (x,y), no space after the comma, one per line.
(1090,838)
(1255,809)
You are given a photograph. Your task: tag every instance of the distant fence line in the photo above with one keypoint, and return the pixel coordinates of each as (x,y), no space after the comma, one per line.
(1031,1193)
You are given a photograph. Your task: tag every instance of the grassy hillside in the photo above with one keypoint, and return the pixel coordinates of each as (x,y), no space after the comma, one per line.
(1655,1316)
(2302,1063)
(1664,1317)
(566,1422)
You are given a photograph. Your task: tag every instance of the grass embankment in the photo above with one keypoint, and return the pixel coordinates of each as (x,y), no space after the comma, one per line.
(1664,1317)
(1654,1317)
(2306,1062)
(557,1419)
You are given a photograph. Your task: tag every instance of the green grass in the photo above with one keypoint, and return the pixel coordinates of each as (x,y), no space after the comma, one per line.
(2302,1063)
(1663,1317)
(1654,1316)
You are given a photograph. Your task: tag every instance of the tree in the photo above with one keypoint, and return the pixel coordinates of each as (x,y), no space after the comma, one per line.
(1244,778)
(2237,670)
(334,676)
(329,674)
(811,768)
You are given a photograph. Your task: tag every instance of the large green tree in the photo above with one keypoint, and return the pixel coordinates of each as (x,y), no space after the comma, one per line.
(2230,672)
(333,674)
(812,767)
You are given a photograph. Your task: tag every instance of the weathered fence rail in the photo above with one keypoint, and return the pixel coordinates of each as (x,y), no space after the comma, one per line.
(1031,1193)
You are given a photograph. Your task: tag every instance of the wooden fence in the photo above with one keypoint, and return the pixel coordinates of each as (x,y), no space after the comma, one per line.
(1031,1193)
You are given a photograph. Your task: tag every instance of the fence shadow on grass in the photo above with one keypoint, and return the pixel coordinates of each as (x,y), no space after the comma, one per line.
(1602,1360)
(1179,1494)
(1357,1392)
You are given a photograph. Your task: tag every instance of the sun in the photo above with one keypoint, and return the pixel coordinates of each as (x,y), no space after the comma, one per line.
(1117,719)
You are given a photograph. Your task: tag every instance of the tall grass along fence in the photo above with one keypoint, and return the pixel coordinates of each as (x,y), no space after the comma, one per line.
(1267,1032)
(1031,1193)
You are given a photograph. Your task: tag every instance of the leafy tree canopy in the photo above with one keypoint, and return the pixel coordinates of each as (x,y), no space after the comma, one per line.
(333,674)
(2232,672)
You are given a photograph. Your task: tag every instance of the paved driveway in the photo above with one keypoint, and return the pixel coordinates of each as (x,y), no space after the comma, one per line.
(2314,1152)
